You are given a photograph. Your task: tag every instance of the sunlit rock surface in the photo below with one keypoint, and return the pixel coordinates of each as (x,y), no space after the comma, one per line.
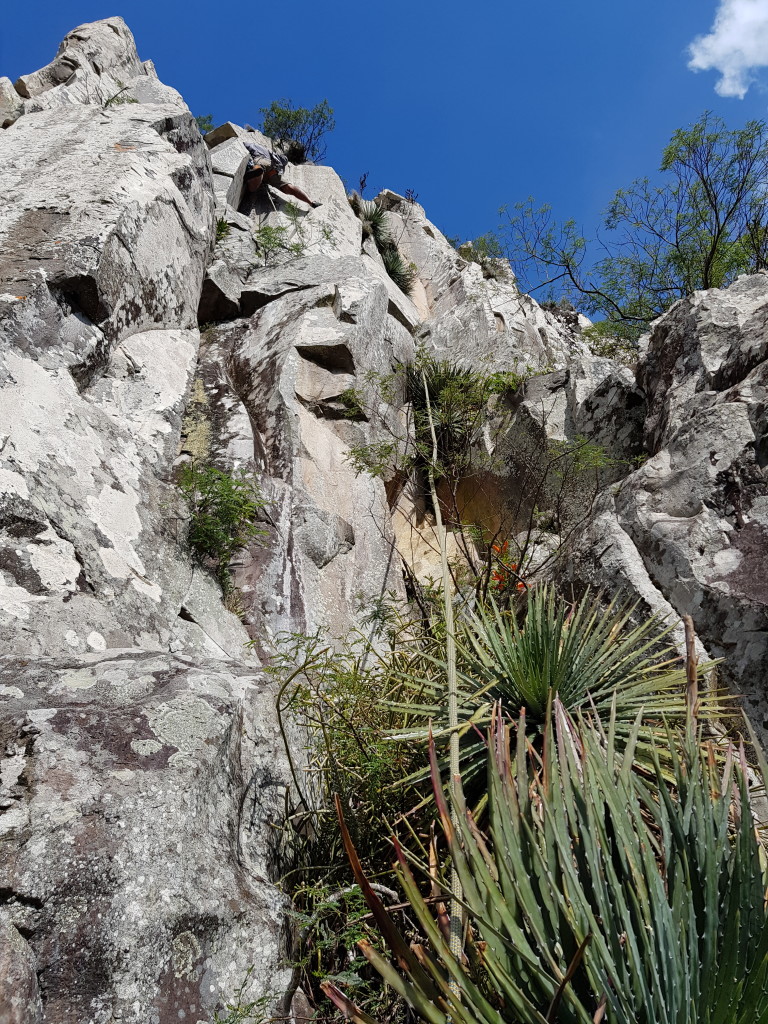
(152,313)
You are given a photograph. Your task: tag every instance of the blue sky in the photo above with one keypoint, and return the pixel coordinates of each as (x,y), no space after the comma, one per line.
(472,105)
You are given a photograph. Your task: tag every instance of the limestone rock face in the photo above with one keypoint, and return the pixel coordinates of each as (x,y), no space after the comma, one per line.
(137,777)
(478,316)
(108,214)
(277,386)
(688,530)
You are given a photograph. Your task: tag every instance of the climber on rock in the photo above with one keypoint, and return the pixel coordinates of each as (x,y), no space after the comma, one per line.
(266,167)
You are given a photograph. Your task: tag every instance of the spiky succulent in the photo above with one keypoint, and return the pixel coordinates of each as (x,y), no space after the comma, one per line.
(593,895)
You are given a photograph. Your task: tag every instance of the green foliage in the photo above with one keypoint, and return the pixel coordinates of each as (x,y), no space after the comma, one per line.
(373,219)
(340,694)
(222,515)
(298,131)
(222,230)
(594,893)
(589,654)
(613,340)
(376,458)
(205,123)
(352,401)
(242,1011)
(488,253)
(374,224)
(705,224)
(278,245)
(402,273)
(331,922)
(119,97)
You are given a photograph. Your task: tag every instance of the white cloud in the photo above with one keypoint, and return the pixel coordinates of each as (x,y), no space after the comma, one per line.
(736,46)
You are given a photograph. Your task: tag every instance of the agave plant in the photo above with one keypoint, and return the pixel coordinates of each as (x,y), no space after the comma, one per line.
(589,654)
(594,895)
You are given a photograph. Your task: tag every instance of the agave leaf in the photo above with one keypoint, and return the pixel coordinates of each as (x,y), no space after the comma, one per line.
(596,891)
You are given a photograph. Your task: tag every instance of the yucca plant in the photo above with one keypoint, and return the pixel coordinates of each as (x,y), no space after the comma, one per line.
(402,273)
(590,654)
(373,219)
(594,895)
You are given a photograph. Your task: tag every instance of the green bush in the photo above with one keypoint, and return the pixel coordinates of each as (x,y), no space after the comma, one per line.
(298,131)
(591,656)
(274,244)
(222,515)
(205,123)
(487,252)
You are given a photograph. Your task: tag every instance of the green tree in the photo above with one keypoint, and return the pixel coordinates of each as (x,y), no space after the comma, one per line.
(205,123)
(298,131)
(703,225)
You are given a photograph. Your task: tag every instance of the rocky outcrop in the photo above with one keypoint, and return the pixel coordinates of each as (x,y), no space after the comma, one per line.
(688,530)
(137,777)
(152,313)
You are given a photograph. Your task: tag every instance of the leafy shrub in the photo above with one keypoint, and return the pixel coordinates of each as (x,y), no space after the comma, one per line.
(612,340)
(205,123)
(594,894)
(352,401)
(344,697)
(222,515)
(298,131)
(275,246)
(488,253)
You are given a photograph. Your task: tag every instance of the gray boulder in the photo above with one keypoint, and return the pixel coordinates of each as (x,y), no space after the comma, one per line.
(11,103)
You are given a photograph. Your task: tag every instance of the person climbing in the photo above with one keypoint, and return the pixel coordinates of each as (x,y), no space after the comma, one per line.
(266,167)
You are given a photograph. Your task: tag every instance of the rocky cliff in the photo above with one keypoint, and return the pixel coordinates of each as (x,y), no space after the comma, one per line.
(152,313)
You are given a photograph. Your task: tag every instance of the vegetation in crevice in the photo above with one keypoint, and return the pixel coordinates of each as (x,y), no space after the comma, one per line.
(621,775)
(501,483)
(223,516)
(373,219)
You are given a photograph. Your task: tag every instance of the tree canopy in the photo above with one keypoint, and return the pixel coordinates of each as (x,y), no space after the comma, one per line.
(705,223)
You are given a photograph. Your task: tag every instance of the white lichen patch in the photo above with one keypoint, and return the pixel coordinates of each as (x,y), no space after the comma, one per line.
(114,513)
(146,747)
(96,641)
(13,483)
(187,723)
(77,679)
(31,400)
(53,559)
(15,601)
(149,400)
